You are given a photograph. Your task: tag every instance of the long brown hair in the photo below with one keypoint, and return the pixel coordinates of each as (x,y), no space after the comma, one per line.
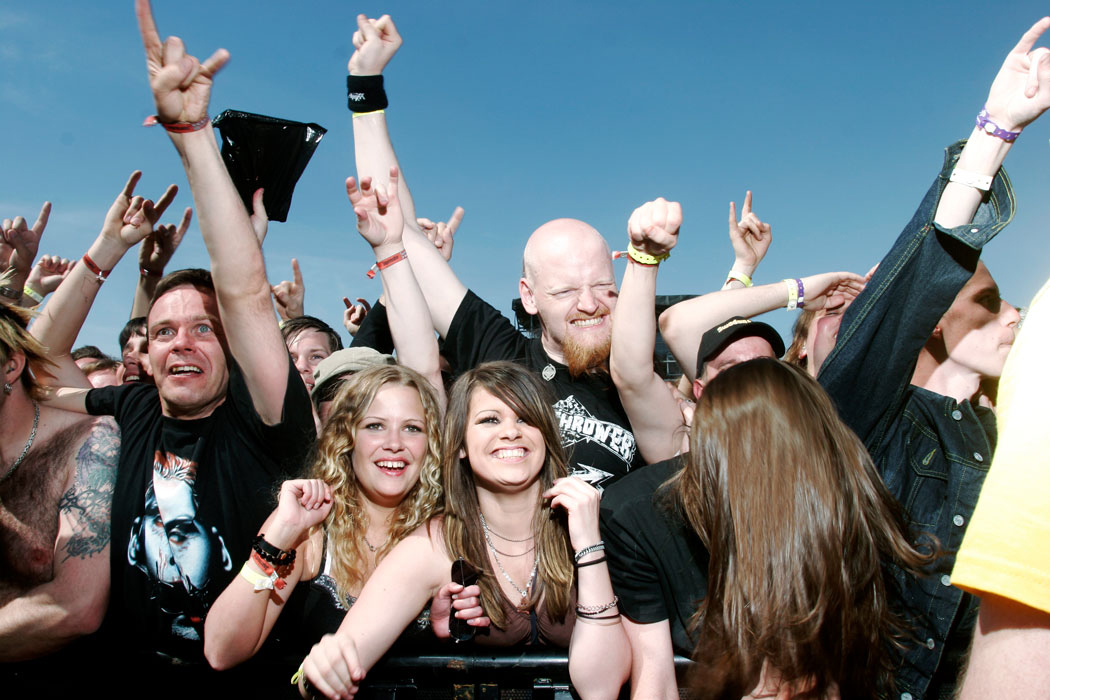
(799,525)
(346,524)
(529,398)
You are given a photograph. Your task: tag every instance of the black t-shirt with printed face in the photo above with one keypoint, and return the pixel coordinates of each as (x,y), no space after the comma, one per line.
(593,425)
(190,496)
(658,565)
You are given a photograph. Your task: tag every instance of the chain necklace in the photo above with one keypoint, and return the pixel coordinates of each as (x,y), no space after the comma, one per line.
(524,603)
(30,441)
(496,534)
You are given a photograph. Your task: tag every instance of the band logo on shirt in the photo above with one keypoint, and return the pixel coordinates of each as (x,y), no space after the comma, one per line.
(577,424)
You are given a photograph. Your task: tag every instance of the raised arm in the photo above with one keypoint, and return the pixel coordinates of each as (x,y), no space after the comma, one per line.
(48,616)
(156,250)
(290,296)
(888,324)
(654,414)
(18,248)
(683,324)
(376,41)
(751,239)
(128,221)
(181,90)
(381,224)
(242,617)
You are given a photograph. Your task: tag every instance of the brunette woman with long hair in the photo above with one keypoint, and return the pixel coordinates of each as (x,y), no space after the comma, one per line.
(799,526)
(531,532)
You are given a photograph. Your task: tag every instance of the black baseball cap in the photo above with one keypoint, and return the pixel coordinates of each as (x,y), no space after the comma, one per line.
(735,328)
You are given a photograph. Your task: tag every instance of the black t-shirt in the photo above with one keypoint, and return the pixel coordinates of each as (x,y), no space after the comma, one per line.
(593,425)
(658,564)
(190,496)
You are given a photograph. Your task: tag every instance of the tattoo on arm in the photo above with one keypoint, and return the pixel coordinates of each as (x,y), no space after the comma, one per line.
(87,504)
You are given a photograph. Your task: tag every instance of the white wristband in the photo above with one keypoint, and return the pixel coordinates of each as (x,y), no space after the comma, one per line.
(971,179)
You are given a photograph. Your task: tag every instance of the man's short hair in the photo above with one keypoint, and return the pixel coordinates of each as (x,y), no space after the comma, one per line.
(100,365)
(135,326)
(15,338)
(86,351)
(196,277)
(297,325)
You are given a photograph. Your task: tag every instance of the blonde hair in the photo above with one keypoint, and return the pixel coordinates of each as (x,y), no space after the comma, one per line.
(14,338)
(529,398)
(347,522)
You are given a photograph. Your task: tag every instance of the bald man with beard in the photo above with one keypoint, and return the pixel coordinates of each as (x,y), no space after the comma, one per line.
(568,282)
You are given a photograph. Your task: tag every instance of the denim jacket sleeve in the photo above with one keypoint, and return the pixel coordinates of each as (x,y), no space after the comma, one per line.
(890,321)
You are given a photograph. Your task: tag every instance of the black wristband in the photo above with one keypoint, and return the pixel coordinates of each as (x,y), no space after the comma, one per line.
(272,554)
(592,562)
(595,616)
(366,93)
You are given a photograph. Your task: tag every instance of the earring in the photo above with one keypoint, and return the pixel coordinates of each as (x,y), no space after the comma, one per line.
(7,388)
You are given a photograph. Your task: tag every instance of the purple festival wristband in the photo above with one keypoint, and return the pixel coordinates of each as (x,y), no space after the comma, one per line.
(990,127)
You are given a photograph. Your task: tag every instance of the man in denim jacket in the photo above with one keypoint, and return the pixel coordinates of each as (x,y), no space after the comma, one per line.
(914,347)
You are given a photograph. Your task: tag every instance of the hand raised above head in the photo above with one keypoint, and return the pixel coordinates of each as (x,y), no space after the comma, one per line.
(354,314)
(48,273)
(442,234)
(290,297)
(1020,92)
(159,247)
(749,236)
(181,85)
(380,221)
(131,219)
(375,41)
(19,244)
(654,227)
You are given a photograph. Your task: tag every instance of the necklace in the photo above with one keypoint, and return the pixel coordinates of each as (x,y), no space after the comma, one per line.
(496,534)
(370,546)
(524,603)
(27,447)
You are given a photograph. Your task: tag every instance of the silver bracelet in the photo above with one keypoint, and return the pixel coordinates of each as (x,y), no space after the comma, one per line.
(597,609)
(598,547)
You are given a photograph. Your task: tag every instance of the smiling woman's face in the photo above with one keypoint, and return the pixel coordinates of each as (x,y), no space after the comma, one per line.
(506,453)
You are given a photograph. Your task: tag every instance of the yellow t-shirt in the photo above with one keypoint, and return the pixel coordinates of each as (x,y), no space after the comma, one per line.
(1006,550)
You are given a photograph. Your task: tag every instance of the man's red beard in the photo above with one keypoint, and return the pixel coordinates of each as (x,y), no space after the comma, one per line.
(583,357)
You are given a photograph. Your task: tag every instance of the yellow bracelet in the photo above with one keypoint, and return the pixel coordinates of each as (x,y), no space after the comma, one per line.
(260,582)
(299,673)
(360,114)
(27,291)
(740,277)
(644,258)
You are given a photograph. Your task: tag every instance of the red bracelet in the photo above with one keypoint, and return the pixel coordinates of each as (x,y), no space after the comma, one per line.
(278,581)
(393,259)
(100,275)
(177,127)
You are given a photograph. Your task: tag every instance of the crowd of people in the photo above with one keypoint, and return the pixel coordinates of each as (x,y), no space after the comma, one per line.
(801,521)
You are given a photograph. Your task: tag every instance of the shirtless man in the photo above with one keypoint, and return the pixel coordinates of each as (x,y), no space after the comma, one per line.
(57,473)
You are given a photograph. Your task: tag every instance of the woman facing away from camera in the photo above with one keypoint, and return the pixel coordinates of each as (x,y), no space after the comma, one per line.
(799,526)
(778,522)
(513,514)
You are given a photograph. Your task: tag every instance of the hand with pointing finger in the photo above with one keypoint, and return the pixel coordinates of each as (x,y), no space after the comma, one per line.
(750,237)
(1021,90)
(442,234)
(290,297)
(181,85)
(354,314)
(19,247)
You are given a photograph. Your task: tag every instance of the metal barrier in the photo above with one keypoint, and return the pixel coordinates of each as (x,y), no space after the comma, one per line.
(479,674)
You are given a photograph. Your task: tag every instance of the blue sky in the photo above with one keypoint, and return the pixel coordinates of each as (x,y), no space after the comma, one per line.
(834,114)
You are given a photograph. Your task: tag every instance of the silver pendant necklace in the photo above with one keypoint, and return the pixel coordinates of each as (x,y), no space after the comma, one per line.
(524,602)
(27,447)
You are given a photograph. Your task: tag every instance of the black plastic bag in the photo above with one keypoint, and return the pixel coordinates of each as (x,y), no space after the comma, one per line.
(266,152)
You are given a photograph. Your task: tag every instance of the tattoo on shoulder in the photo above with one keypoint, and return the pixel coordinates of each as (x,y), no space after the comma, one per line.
(87,504)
